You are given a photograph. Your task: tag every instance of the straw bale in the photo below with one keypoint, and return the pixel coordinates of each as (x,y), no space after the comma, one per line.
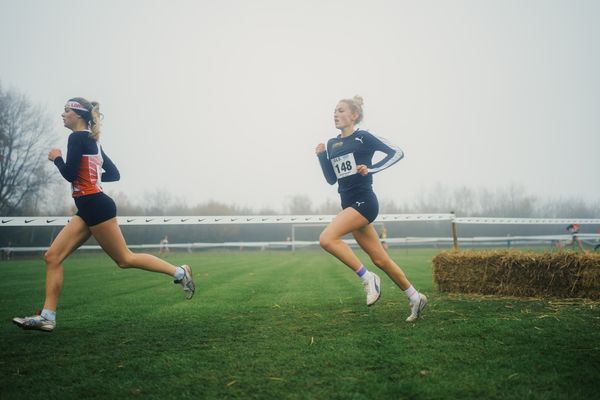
(515,273)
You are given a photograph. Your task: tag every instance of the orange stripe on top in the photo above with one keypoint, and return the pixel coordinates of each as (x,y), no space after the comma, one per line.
(89,175)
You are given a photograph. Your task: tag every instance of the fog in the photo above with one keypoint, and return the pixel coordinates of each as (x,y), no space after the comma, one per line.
(226,101)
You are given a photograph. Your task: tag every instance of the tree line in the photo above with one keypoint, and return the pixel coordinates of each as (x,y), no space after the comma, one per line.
(513,201)
(509,202)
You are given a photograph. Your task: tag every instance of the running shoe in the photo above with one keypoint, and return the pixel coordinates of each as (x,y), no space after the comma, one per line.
(416,308)
(187,282)
(372,288)
(36,322)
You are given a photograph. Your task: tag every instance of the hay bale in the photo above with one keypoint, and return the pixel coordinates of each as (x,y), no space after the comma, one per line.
(515,273)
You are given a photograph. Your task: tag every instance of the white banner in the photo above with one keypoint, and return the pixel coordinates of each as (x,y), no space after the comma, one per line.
(218,220)
(526,221)
(294,219)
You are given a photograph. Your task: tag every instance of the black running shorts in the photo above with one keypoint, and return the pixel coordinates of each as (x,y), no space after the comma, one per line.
(364,202)
(95,208)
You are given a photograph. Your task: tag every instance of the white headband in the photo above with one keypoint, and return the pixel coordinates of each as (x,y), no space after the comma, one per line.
(73,105)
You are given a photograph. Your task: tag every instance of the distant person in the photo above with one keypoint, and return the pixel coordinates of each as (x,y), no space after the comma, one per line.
(383,237)
(96,213)
(7,251)
(164,245)
(573,229)
(347,160)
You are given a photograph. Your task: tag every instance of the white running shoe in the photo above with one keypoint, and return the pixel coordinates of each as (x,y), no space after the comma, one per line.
(416,308)
(36,322)
(372,288)
(187,282)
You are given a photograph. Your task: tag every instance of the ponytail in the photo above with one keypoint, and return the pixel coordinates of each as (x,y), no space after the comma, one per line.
(94,122)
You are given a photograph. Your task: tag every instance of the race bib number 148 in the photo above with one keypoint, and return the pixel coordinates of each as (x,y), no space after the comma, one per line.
(344,165)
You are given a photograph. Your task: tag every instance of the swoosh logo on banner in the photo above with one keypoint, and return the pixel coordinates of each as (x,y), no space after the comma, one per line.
(29,220)
(50,220)
(4,221)
(166,219)
(218,219)
(149,219)
(130,219)
(184,219)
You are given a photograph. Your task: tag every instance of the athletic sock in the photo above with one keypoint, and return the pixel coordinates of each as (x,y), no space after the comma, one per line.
(362,273)
(49,315)
(412,294)
(179,274)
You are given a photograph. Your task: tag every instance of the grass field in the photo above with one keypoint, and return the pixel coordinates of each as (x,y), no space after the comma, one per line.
(274,325)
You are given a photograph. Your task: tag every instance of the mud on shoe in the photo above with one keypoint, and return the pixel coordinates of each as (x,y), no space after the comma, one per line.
(416,308)
(187,282)
(36,322)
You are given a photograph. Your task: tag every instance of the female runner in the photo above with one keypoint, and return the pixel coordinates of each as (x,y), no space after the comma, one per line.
(347,160)
(96,213)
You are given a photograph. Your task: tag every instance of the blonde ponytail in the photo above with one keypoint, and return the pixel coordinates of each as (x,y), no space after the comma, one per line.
(95,123)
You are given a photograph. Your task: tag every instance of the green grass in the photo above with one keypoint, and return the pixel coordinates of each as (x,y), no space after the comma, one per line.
(274,325)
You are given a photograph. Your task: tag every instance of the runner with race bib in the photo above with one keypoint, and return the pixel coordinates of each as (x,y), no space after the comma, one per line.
(347,160)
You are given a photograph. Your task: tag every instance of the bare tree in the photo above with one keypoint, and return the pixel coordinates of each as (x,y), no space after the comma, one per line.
(298,204)
(25,137)
(329,207)
(157,202)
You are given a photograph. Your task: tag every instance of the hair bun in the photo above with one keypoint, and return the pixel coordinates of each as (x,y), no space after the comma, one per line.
(358,100)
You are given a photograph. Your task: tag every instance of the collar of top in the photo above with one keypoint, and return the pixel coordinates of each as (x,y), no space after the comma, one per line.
(350,135)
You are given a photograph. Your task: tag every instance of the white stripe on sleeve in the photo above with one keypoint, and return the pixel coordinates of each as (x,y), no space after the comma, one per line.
(398,155)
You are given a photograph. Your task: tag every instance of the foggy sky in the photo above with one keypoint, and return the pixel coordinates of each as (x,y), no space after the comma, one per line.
(226,100)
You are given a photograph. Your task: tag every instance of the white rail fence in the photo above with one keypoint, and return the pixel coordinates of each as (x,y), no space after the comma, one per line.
(299,220)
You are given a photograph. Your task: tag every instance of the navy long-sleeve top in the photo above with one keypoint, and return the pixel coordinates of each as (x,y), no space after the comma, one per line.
(344,154)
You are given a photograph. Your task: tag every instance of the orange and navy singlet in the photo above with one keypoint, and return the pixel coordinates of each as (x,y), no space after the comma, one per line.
(85,162)
(87,165)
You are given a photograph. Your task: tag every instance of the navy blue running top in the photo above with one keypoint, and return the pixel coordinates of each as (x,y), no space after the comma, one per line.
(344,154)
